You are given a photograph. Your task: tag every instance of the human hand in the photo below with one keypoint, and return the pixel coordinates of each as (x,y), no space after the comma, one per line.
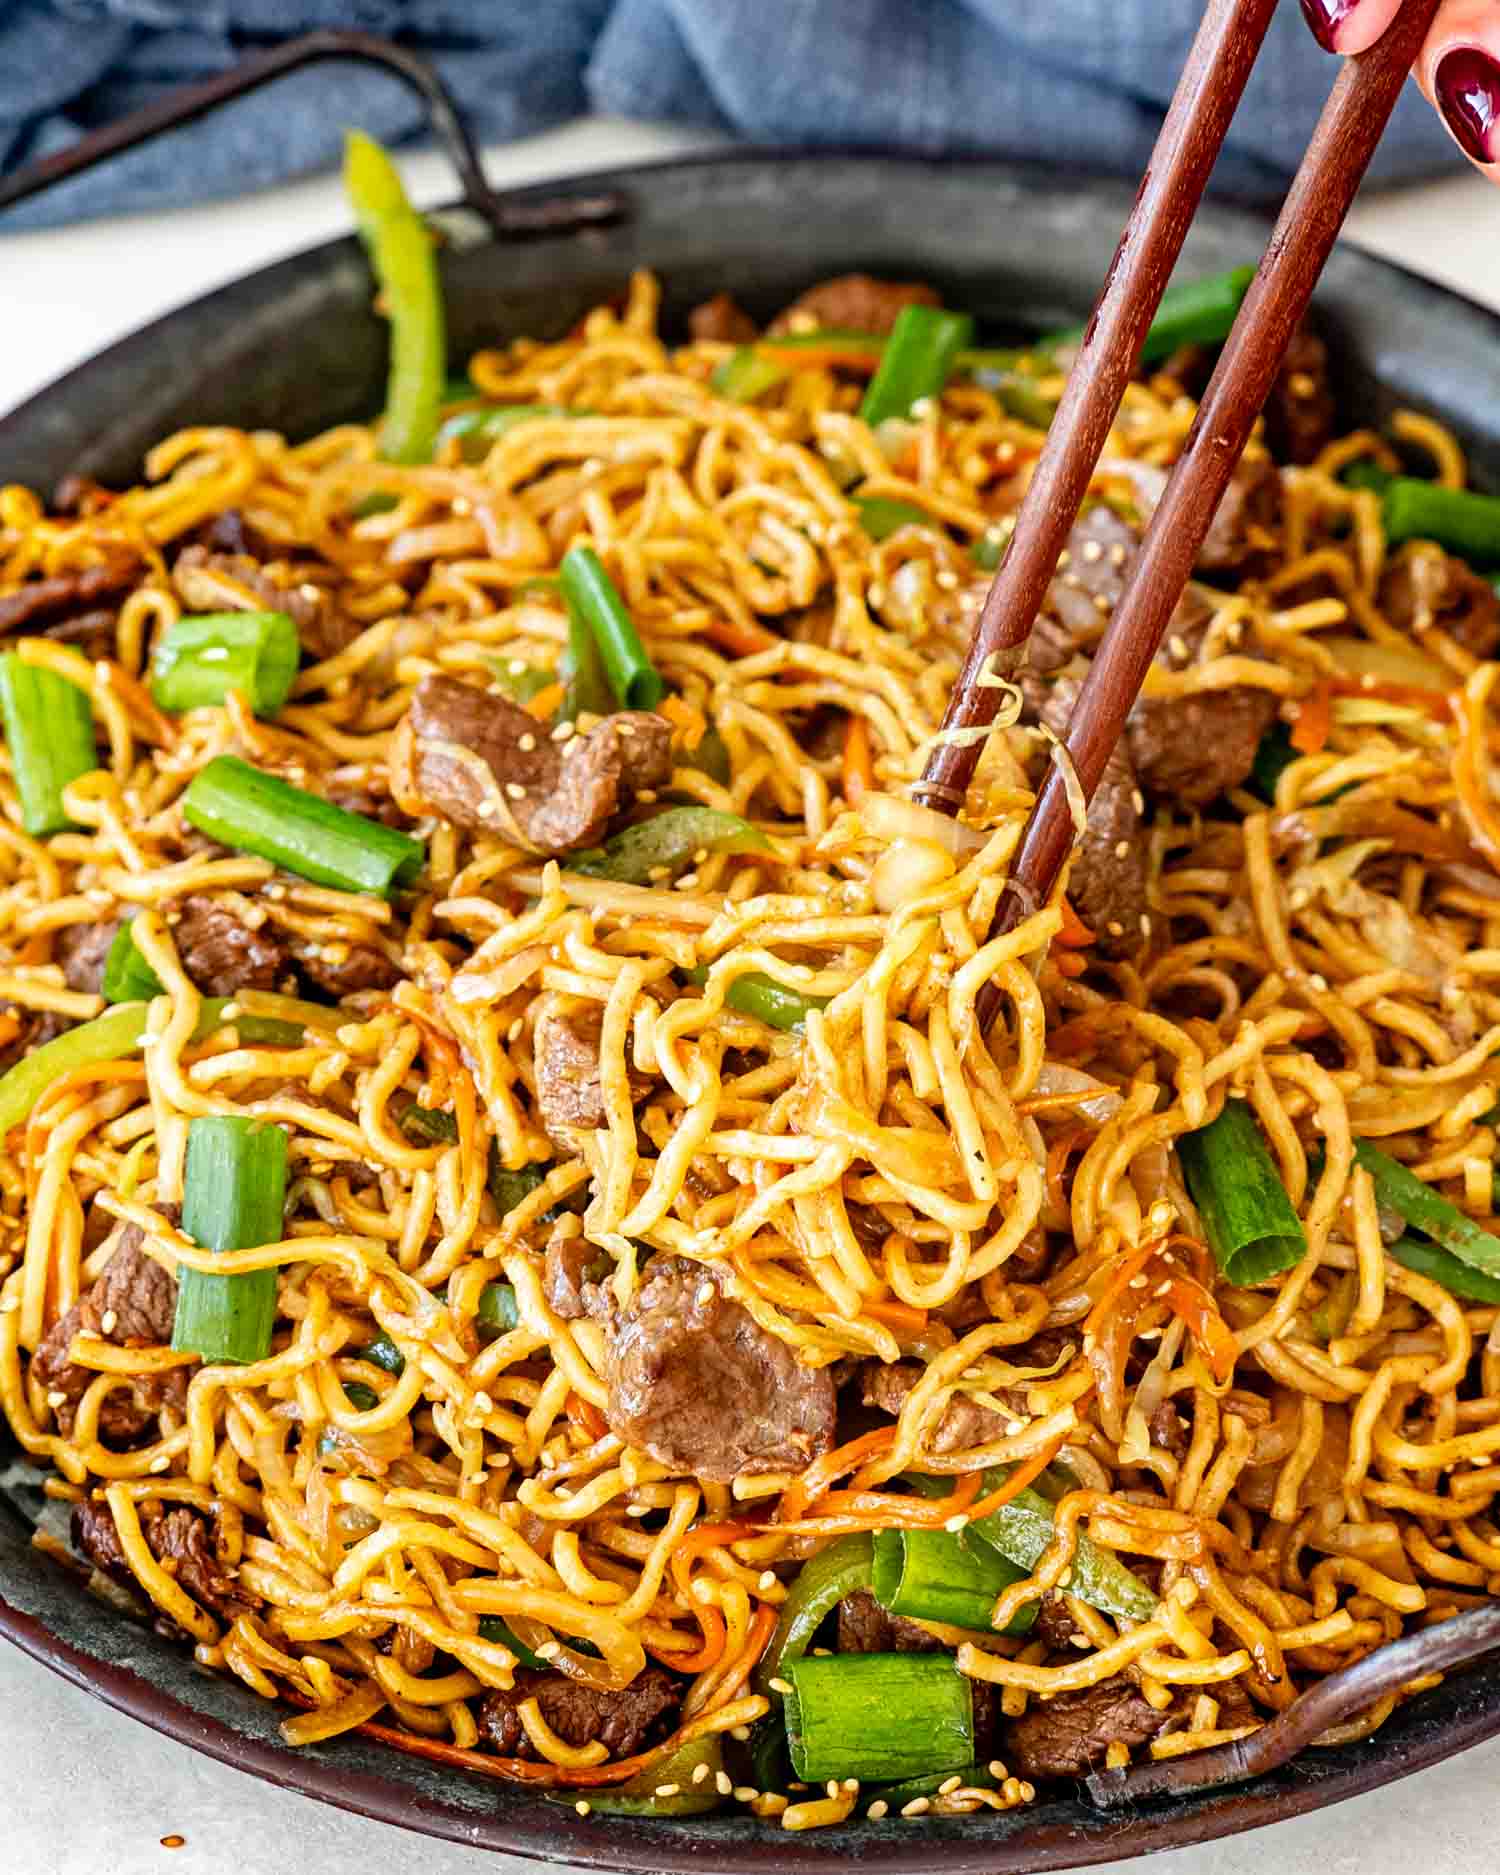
(1459,68)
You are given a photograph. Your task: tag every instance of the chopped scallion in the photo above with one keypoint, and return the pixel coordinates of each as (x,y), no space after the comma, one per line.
(49,730)
(233,1198)
(878,1717)
(198,661)
(1252,1229)
(917,361)
(593,596)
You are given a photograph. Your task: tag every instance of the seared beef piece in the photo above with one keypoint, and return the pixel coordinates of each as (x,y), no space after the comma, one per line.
(341,968)
(565,1281)
(1170,1430)
(1085,590)
(1422,586)
(230,532)
(625,1721)
(964,1422)
(568,1089)
(1107,888)
(866,1628)
(369,801)
(181,1540)
(696,1382)
(466,752)
(37,1027)
(222,954)
(723,321)
(854,302)
(1192,749)
(132,1304)
(38,603)
(1068,1735)
(1246,515)
(82,950)
(1054,1624)
(92,633)
(218,582)
(1301,414)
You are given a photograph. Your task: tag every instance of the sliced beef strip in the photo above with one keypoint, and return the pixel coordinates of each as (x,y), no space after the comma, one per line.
(132,1305)
(1068,1735)
(214,582)
(1246,517)
(568,1089)
(1302,413)
(38,603)
(698,1384)
(82,950)
(342,969)
(964,1422)
(484,764)
(565,1266)
(80,494)
(221,953)
(181,1540)
(1192,749)
(853,302)
(1422,586)
(625,1721)
(722,320)
(864,1627)
(37,1027)
(1054,1624)
(230,532)
(1086,588)
(1170,1430)
(1107,886)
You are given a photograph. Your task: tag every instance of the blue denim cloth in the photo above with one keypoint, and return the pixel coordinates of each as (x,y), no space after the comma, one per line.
(1072,83)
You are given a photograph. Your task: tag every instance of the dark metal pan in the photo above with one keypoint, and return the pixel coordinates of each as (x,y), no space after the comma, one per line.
(297,347)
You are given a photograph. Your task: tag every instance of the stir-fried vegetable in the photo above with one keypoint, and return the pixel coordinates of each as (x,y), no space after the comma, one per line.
(670,1787)
(917,362)
(1251,1227)
(478,430)
(1274,754)
(257,813)
(878,1716)
(127,978)
(846,1565)
(405,264)
(941,1575)
(970,1777)
(664,845)
(755,994)
(1425,1210)
(881,515)
(1198,312)
(49,730)
(233,1196)
(258,1016)
(1458,1278)
(198,661)
(592,595)
(523,684)
(1457,518)
(382,1352)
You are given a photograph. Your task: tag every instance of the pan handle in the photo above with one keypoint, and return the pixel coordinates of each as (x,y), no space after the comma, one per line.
(511,218)
(1334,1701)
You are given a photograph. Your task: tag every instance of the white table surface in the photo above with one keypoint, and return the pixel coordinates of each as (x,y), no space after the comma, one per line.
(90,1793)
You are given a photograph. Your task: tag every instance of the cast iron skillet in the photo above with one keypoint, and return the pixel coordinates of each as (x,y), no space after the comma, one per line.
(296,347)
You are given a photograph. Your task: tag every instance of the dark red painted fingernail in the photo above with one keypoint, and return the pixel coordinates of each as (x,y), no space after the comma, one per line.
(1326,17)
(1468,88)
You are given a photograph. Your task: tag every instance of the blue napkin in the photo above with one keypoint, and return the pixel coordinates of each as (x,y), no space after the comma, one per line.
(1075,84)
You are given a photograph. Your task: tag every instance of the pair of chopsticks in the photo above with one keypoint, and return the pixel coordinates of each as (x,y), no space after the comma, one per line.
(1213,82)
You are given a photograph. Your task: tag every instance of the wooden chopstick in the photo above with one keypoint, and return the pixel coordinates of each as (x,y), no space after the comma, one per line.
(1358,108)
(1213,80)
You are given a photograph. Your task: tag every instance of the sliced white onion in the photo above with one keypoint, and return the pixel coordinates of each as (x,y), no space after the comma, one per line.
(890,817)
(907,869)
(1101,1102)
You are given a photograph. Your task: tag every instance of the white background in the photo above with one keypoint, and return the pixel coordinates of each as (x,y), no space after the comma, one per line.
(89,1793)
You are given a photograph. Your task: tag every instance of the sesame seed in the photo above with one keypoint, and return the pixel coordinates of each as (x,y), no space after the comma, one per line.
(740,1732)
(583,1806)
(1145,925)
(878,1809)
(1122,849)
(779,1686)
(547,1650)
(668,1790)
(108,1321)
(513,1033)
(919,1806)
(997,1770)
(563,731)
(947,579)
(1177,645)
(527,742)
(515,790)
(57,1397)
(700,1773)
(1115,928)
(1138,800)
(957,1523)
(767,1580)
(637,1510)
(745,1793)
(949,1785)
(1063,558)
(160,1463)
(850,1785)
(723,1783)
(832,1787)
(1117,555)
(1093,550)
(705,1294)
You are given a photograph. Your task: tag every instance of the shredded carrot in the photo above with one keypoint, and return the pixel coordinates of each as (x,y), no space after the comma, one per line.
(740,641)
(897,1315)
(1314,722)
(693,1544)
(1419,696)
(859,763)
(1191,1303)
(1069,963)
(1058,1154)
(1074,934)
(587,1417)
(882,1510)
(1018,1480)
(692,722)
(545,703)
(711,1650)
(829,357)
(822,1471)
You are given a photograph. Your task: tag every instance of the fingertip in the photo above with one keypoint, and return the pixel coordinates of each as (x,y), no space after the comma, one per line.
(1347,27)
(1459,70)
